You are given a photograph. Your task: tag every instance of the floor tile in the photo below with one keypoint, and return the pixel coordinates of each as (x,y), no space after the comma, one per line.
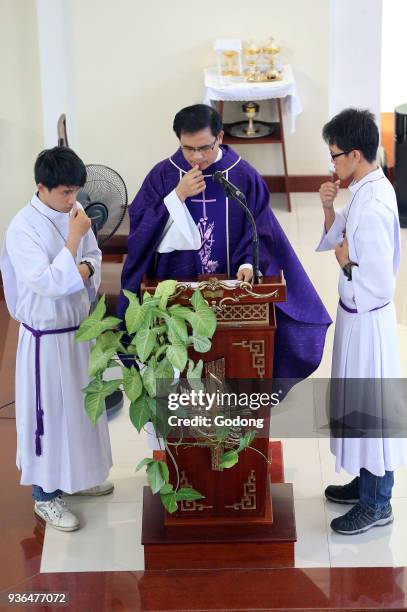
(311,549)
(109,540)
(381,546)
(302,466)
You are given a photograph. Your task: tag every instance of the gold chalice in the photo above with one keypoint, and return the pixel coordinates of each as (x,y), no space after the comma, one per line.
(250,109)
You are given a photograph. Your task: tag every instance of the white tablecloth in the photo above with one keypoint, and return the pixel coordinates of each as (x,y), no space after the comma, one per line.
(219,89)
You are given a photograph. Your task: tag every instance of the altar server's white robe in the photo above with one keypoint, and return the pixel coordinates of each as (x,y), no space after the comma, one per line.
(44,289)
(366,343)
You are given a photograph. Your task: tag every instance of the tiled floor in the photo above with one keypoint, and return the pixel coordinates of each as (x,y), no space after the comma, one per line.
(110,539)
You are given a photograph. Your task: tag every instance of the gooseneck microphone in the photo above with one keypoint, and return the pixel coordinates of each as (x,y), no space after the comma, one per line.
(231,191)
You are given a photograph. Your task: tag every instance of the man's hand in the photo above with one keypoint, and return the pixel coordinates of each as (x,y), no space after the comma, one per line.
(328,192)
(83,271)
(79,223)
(191,184)
(245,274)
(342,252)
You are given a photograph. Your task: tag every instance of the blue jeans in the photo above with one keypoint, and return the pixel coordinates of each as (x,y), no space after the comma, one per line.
(375,491)
(40,495)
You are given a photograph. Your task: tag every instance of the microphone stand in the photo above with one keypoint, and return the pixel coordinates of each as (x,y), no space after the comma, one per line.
(241,200)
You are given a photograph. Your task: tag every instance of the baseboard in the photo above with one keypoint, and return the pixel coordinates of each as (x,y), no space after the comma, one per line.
(295,183)
(301,183)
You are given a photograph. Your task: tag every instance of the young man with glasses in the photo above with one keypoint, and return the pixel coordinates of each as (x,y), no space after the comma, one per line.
(182,225)
(365,235)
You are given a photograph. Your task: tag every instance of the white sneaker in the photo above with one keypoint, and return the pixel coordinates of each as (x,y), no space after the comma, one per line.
(56,514)
(103,489)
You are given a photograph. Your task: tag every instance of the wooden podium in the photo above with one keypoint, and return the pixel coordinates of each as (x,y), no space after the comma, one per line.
(244,521)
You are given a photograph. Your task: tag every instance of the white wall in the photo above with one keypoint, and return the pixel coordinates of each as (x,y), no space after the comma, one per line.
(55,55)
(20,106)
(394,47)
(126,67)
(135,64)
(355,55)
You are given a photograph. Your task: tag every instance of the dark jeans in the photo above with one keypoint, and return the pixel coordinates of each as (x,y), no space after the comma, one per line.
(375,491)
(40,495)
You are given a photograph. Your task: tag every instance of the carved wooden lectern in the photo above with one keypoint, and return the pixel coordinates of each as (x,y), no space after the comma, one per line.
(244,520)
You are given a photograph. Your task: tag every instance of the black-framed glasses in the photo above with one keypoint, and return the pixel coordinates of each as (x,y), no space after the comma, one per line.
(335,155)
(203,149)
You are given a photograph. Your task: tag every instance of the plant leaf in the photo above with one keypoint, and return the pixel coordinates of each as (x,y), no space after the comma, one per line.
(164,370)
(170,502)
(177,355)
(149,381)
(246,440)
(164,290)
(134,313)
(155,477)
(177,330)
(132,383)
(109,386)
(145,341)
(229,459)
(197,300)
(194,374)
(100,309)
(202,344)
(95,385)
(165,489)
(99,359)
(188,493)
(91,328)
(94,406)
(203,322)
(164,470)
(140,412)
(144,462)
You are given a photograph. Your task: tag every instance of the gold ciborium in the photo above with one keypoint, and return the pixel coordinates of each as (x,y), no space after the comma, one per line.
(250,109)
(252,53)
(231,68)
(270,50)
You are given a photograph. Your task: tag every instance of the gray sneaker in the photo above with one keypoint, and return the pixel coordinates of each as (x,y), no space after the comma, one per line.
(57,514)
(361,518)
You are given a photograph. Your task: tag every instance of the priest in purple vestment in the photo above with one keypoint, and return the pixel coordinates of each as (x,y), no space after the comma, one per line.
(182,225)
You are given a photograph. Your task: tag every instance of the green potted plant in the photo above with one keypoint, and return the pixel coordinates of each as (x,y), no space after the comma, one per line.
(158,336)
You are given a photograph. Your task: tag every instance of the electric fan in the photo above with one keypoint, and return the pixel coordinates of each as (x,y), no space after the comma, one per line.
(104,198)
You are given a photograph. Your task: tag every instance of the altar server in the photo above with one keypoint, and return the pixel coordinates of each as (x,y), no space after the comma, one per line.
(50,265)
(366,238)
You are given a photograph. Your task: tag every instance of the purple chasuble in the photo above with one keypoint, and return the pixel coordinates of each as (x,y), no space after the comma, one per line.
(302,320)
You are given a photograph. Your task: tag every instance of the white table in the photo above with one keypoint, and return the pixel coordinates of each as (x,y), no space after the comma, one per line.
(231,89)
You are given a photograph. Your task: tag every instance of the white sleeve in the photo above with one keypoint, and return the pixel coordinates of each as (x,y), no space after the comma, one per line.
(181,232)
(373,280)
(245,265)
(33,268)
(331,238)
(92,253)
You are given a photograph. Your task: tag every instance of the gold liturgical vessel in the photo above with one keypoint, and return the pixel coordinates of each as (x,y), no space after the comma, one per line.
(270,49)
(251,128)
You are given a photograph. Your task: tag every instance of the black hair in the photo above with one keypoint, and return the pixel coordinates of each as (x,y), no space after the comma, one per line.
(353,130)
(59,166)
(195,118)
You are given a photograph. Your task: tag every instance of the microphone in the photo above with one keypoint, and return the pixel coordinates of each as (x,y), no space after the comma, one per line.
(231,191)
